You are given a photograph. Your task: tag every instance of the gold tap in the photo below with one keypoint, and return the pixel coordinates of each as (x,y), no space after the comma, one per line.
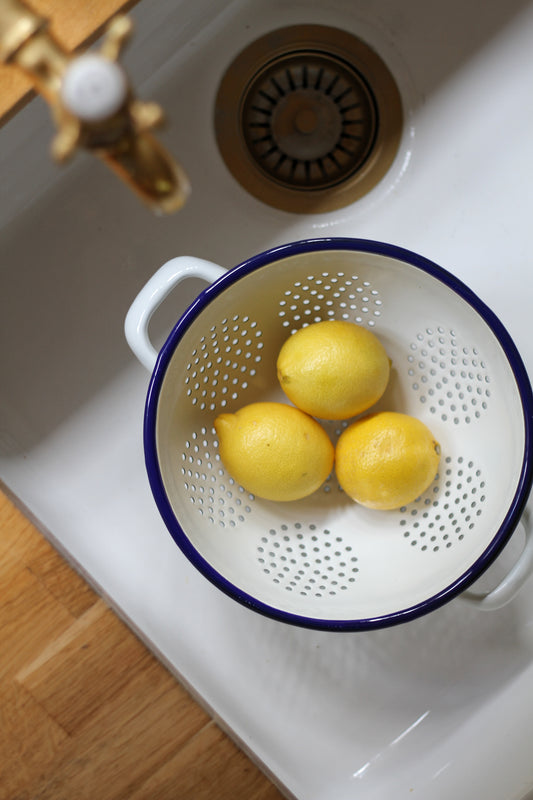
(93,104)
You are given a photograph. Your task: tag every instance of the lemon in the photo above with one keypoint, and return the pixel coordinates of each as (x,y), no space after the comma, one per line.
(333,369)
(274,451)
(386,460)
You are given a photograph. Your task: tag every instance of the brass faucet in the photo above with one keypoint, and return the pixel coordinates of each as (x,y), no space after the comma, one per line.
(93,104)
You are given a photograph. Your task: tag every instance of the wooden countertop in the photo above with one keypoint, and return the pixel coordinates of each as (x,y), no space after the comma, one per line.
(75,25)
(86,709)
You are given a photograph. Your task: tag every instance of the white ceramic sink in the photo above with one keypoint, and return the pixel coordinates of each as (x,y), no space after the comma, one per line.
(435,709)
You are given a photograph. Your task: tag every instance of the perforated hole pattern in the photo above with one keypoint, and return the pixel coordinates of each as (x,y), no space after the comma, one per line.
(305,560)
(326,296)
(448,376)
(448,511)
(217,372)
(216,496)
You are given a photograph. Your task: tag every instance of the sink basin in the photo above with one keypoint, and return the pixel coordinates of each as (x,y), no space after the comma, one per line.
(436,708)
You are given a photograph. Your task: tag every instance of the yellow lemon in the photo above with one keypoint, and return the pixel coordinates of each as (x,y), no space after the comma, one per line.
(386,460)
(274,450)
(333,369)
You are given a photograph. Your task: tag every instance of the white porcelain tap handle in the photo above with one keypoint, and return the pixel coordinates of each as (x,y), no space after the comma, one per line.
(93,87)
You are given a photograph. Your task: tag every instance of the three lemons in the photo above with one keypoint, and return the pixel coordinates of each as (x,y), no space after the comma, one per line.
(331,370)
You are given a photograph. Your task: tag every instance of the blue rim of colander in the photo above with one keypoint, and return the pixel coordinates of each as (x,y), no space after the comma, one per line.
(180,537)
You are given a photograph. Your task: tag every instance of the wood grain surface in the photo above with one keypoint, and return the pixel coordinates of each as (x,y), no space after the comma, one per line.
(86,711)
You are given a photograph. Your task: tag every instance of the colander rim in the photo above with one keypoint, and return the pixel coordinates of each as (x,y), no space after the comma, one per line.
(413,259)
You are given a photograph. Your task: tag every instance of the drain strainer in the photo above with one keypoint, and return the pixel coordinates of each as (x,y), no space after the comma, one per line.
(309,121)
(308,118)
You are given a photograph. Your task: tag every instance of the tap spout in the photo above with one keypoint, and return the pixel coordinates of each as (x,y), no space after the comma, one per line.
(93,104)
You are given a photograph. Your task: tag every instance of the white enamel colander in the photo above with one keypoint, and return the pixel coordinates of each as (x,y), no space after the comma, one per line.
(325,562)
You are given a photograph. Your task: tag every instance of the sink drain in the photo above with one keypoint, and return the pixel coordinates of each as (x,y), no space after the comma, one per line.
(308,118)
(309,121)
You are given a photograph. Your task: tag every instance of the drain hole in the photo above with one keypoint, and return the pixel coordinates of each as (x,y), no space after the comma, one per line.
(309,121)
(308,118)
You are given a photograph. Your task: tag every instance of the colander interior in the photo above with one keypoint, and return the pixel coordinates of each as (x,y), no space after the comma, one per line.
(325,561)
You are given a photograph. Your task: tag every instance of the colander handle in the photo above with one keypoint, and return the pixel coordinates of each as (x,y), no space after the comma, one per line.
(152,295)
(508,588)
